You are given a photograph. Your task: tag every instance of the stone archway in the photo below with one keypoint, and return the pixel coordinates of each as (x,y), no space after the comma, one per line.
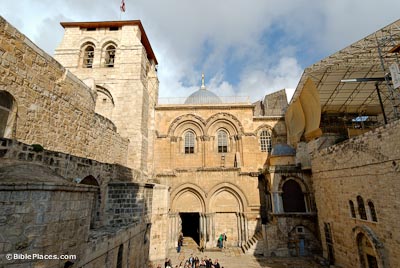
(8,115)
(226,208)
(187,213)
(370,249)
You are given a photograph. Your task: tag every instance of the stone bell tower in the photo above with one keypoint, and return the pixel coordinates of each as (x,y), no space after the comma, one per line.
(116,60)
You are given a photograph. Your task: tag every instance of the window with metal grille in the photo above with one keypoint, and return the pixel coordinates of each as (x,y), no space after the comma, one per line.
(110,56)
(222,141)
(189,142)
(352,210)
(361,208)
(265,141)
(372,211)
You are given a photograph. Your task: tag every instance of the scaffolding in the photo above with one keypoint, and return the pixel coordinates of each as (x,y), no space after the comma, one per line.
(368,58)
(390,39)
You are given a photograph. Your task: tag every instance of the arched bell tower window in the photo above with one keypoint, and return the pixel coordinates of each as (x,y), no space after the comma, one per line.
(265,141)
(222,137)
(361,208)
(88,55)
(109,56)
(189,142)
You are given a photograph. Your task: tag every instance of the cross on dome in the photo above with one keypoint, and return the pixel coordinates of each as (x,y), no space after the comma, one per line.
(202,82)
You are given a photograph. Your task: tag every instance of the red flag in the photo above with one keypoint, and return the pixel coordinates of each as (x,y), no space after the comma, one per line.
(122,7)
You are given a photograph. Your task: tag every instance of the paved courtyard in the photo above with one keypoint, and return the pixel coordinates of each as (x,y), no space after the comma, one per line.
(234,258)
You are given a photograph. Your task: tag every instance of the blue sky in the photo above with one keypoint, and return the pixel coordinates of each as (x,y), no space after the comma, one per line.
(247,48)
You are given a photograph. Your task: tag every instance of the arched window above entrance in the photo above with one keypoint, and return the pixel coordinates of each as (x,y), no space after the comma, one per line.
(189,142)
(293,197)
(8,111)
(361,208)
(222,139)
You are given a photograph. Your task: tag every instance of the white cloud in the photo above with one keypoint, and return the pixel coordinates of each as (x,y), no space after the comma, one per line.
(189,37)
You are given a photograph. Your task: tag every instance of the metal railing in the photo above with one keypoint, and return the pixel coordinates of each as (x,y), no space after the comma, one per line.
(224,100)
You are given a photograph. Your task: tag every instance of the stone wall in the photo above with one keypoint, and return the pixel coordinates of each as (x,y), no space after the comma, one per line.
(365,166)
(42,213)
(159,229)
(68,166)
(44,218)
(54,108)
(105,244)
(127,203)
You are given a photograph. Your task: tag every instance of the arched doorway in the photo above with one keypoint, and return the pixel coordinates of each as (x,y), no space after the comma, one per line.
(8,112)
(187,214)
(371,250)
(368,258)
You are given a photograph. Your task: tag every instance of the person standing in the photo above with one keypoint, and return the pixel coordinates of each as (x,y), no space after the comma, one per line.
(180,242)
(224,239)
(220,241)
(202,244)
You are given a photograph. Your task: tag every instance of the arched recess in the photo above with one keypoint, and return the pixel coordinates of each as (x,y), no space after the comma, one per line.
(223,120)
(265,127)
(229,190)
(188,198)
(89,180)
(96,207)
(370,249)
(8,115)
(294,194)
(301,182)
(181,123)
(105,102)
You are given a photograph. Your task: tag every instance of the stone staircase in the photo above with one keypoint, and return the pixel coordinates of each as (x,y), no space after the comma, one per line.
(255,245)
(189,243)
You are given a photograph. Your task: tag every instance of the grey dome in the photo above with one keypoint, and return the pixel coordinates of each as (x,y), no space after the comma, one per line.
(282,149)
(203,96)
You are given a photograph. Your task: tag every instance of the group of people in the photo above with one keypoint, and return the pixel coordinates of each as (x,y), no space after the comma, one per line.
(193,262)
